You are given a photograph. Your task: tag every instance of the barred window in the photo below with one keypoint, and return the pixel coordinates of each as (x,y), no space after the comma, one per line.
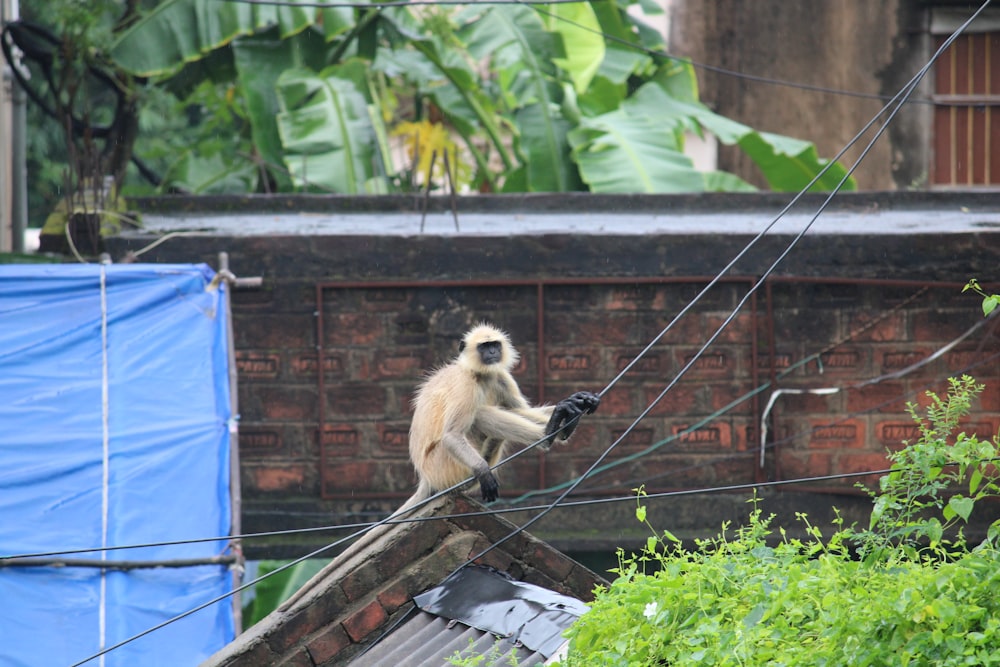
(966,130)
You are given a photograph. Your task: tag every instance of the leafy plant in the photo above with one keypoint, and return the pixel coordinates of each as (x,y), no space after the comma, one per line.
(277,588)
(539,98)
(923,495)
(470,657)
(754,596)
(990,301)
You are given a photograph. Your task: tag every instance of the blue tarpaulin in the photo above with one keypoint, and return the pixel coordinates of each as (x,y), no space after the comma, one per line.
(115,426)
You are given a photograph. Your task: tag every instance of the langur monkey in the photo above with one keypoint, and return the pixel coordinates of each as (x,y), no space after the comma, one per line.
(467,411)
(464,415)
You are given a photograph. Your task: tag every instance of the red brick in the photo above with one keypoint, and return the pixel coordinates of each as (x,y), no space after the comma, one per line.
(797,466)
(635,297)
(563,363)
(327,643)
(989,399)
(980,427)
(259,440)
(360,581)
(934,324)
(737,331)
(279,402)
(393,597)
(840,361)
(553,563)
(639,438)
(724,394)
(279,478)
(256,365)
(273,331)
(395,365)
(496,557)
(894,433)
(860,462)
(617,402)
(842,433)
(394,438)
(352,328)
(349,476)
(680,400)
(782,360)
(340,440)
(867,327)
(656,363)
(365,621)
(605,328)
(713,436)
(356,399)
(892,360)
(879,398)
(808,404)
(386,299)
(305,364)
(713,363)
(297,658)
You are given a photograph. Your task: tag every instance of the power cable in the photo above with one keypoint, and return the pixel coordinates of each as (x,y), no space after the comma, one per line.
(902,96)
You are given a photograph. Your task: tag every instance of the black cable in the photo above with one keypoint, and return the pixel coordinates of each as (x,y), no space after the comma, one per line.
(902,95)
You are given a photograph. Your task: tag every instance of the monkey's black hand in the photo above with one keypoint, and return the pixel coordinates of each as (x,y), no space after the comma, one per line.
(489,486)
(566,413)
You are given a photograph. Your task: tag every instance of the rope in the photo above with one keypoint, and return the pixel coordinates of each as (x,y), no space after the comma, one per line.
(105,461)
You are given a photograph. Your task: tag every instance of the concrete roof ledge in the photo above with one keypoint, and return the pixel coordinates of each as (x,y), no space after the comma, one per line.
(862,213)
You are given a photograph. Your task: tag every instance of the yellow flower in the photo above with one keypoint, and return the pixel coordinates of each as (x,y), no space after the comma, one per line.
(426,144)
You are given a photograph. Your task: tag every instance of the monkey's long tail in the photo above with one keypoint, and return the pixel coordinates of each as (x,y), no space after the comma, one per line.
(422,494)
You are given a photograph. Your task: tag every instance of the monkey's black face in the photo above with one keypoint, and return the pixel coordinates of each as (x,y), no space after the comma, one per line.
(490,352)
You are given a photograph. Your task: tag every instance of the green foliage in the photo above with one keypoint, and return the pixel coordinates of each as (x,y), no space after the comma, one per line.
(470,657)
(754,596)
(543,98)
(990,301)
(924,495)
(277,588)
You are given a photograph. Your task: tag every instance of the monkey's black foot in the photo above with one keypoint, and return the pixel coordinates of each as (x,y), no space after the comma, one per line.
(489,486)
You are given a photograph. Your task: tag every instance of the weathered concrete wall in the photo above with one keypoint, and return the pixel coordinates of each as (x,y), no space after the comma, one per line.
(382,309)
(869,48)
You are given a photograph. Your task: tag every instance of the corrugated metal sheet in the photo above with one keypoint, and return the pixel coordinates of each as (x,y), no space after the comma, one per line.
(427,640)
(479,611)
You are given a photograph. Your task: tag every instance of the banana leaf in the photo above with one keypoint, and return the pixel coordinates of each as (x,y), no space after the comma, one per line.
(326,132)
(260,60)
(182,31)
(583,43)
(620,152)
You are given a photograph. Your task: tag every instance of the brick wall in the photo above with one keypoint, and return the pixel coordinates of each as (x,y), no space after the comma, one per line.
(374,313)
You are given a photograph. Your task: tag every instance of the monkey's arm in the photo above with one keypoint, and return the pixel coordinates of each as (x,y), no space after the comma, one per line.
(455,442)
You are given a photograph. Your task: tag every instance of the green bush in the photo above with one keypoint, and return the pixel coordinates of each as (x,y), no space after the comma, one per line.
(907,590)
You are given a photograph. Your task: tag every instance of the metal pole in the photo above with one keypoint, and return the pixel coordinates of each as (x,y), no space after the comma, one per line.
(19,166)
(234,445)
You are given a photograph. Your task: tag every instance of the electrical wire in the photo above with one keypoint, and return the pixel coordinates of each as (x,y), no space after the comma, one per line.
(596,501)
(903,95)
(493,508)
